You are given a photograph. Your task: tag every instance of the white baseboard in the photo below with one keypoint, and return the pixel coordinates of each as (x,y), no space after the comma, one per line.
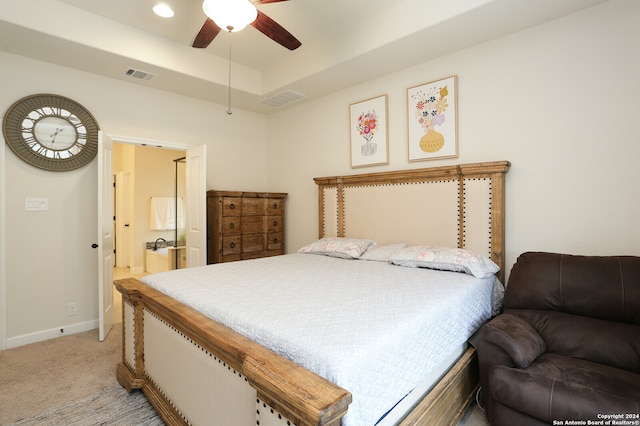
(25,339)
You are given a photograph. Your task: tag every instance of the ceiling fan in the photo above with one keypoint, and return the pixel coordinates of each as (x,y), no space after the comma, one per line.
(222,13)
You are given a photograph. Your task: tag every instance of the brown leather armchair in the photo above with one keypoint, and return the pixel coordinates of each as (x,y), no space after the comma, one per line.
(567,345)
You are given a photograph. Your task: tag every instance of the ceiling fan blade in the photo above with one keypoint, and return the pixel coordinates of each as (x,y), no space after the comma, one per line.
(275,31)
(207,33)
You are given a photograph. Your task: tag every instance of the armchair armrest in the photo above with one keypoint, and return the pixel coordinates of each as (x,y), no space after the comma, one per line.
(517,338)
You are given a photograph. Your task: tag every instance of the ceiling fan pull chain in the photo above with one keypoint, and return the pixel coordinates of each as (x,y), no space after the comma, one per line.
(229,112)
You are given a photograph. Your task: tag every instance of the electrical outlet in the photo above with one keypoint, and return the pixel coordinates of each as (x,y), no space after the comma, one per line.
(72,309)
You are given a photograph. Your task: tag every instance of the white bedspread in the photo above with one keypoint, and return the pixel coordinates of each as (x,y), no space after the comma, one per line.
(372,328)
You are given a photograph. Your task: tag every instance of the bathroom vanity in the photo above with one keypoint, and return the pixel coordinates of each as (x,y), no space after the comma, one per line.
(164,259)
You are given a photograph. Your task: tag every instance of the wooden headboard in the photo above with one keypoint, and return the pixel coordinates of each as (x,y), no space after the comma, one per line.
(455,206)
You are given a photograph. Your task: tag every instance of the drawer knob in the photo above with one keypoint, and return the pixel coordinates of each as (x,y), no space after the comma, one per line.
(275,241)
(232,245)
(275,205)
(275,223)
(232,206)
(232,225)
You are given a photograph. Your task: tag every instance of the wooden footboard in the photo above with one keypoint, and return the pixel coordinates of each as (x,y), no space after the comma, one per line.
(195,371)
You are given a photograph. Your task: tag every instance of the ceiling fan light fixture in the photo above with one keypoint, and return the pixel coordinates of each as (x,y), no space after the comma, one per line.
(232,15)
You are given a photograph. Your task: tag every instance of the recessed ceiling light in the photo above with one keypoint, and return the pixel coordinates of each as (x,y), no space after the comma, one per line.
(163,10)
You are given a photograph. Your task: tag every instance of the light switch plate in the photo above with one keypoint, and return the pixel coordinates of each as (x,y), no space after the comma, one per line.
(36,204)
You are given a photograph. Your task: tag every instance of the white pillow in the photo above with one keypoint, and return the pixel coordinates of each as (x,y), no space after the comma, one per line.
(345,248)
(446,259)
(382,253)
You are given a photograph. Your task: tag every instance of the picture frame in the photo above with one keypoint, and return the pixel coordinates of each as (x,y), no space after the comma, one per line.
(369,132)
(432,120)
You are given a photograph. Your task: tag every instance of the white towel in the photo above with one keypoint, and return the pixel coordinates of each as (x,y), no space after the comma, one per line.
(162,215)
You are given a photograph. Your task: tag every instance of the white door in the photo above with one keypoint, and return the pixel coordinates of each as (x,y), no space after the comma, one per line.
(196,211)
(105,235)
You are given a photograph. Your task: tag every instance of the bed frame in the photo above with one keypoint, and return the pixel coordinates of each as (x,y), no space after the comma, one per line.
(196,371)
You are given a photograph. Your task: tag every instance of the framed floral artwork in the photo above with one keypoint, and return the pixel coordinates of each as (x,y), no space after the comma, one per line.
(369,132)
(433,120)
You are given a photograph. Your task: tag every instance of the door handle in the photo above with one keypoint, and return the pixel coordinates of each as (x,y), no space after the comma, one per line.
(94,245)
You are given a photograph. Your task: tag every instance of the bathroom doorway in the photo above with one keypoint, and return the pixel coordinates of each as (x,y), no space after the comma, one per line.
(143,174)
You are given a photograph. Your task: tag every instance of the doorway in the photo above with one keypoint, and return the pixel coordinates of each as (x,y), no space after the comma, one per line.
(143,176)
(194,207)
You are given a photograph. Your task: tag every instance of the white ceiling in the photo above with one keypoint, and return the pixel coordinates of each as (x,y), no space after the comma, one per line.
(343,41)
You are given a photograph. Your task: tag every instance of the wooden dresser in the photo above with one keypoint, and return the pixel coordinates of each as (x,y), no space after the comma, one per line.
(244,225)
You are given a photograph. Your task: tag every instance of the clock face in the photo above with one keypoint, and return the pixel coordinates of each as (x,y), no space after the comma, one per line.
(51,132)
(54,133)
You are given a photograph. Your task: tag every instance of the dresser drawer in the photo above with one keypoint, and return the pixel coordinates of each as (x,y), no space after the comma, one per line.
(275,241)
(253,206)
(275,206)
(275,224)
(252,242)
(253,224)
(231,225)
(231,206)
(231,245)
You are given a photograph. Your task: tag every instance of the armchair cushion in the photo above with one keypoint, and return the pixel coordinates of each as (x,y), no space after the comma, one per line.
(607,342)
(556,387)
(516,337)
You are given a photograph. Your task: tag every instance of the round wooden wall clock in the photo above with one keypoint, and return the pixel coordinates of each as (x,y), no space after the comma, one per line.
(51,132)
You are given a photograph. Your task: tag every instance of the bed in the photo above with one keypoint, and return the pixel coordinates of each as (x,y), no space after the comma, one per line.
(196,364)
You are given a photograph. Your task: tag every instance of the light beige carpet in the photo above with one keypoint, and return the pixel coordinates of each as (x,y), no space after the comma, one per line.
(40,376)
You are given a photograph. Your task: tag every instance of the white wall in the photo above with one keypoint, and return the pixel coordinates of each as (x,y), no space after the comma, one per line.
(560,101)
(49,259)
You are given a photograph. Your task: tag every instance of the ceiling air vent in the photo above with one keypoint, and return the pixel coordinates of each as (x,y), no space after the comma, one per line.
(283,98)
(139,74)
